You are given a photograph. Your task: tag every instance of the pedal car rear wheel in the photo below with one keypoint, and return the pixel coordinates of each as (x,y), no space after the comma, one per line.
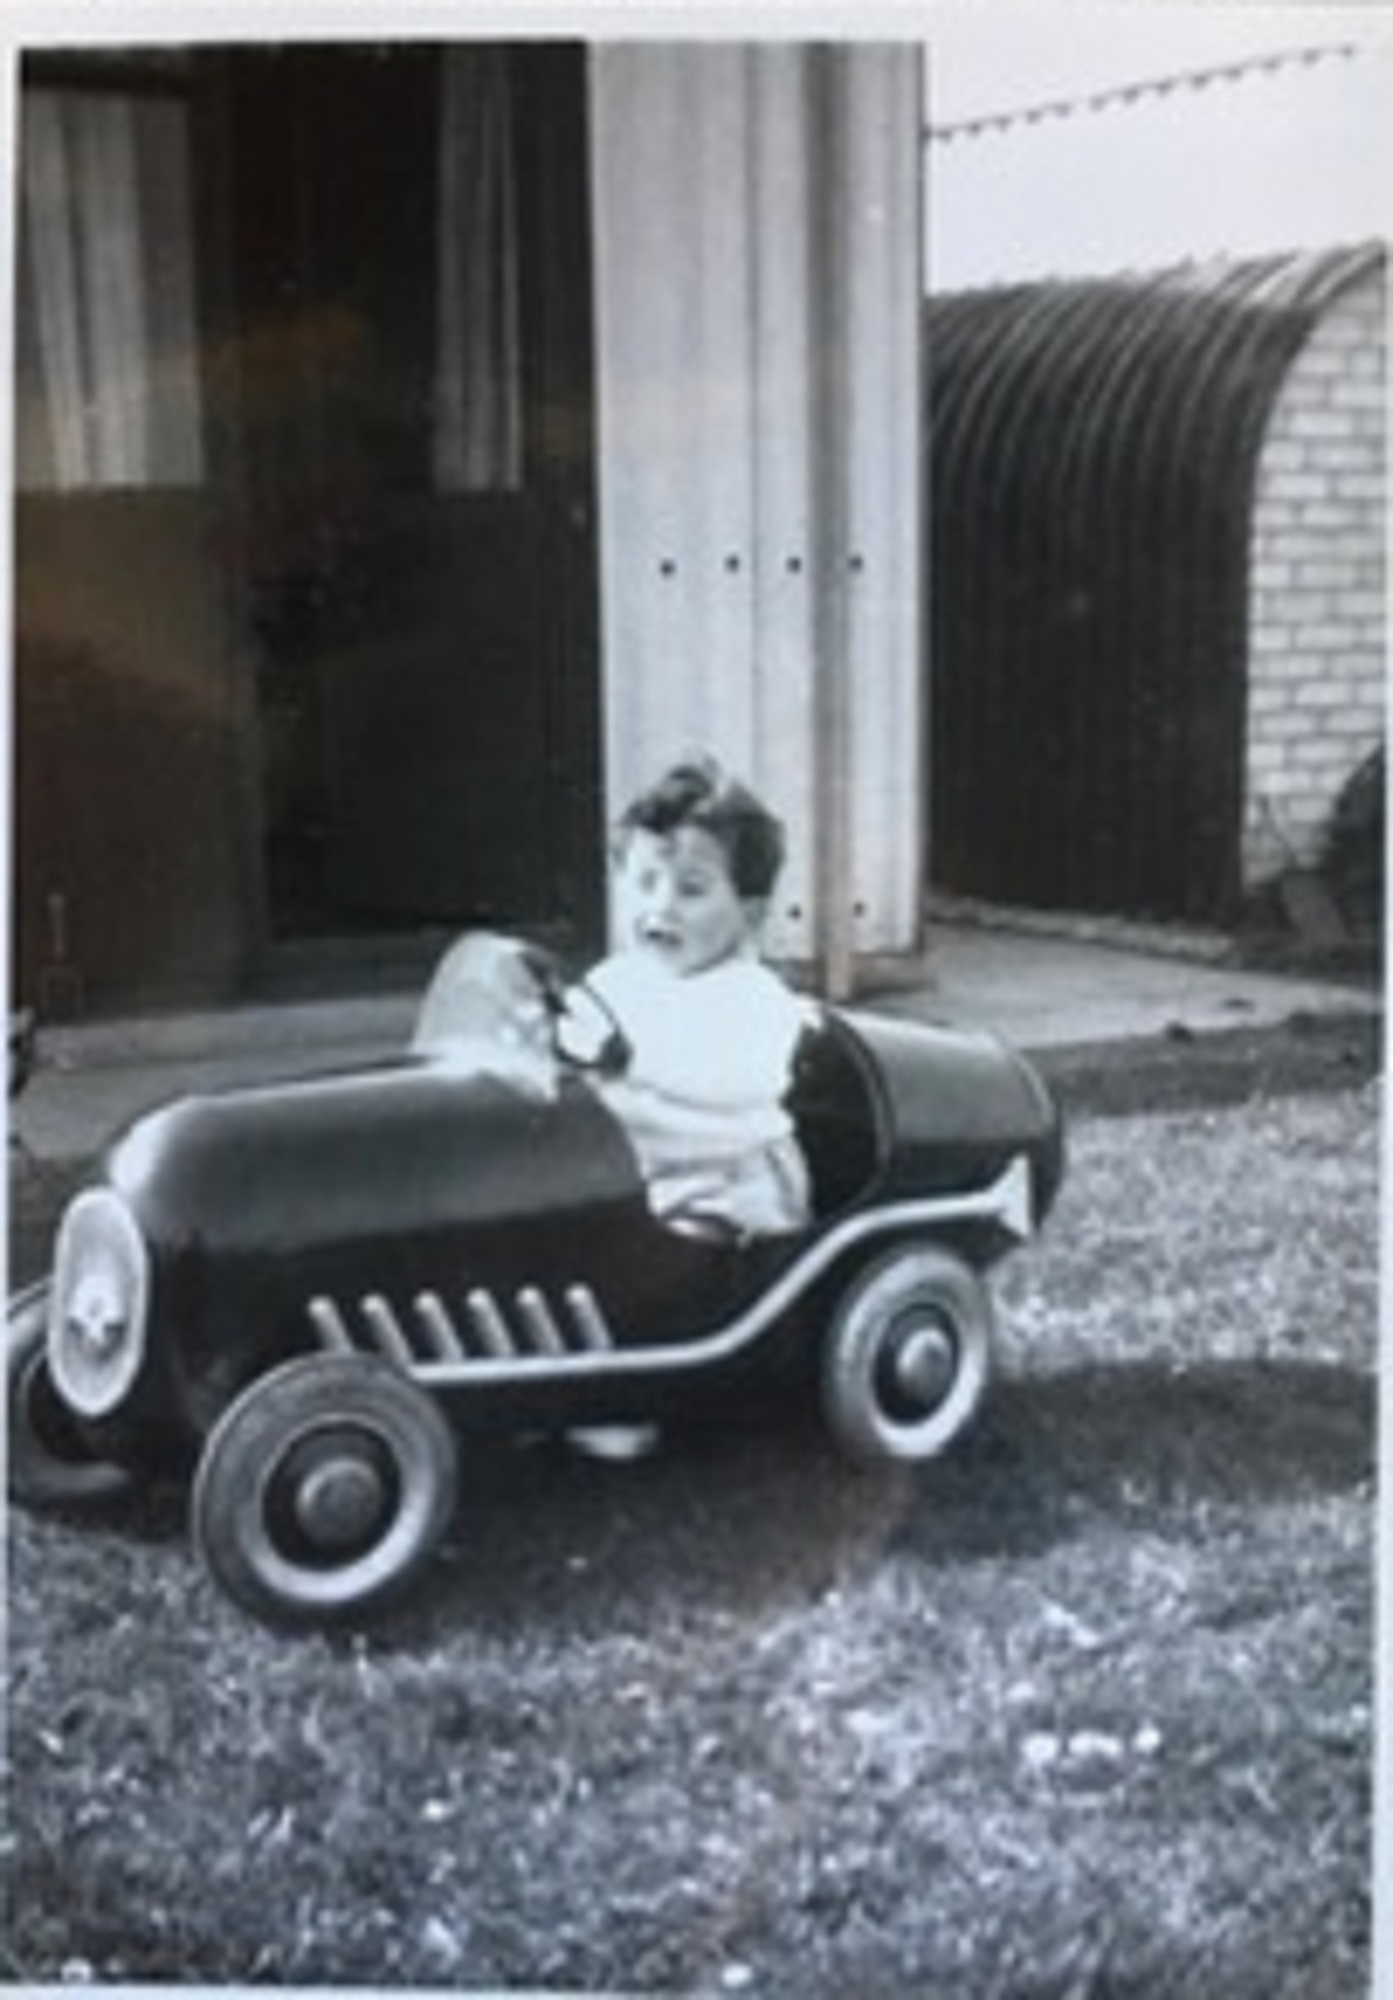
(50,1464)
(324,1490)
(908,1355)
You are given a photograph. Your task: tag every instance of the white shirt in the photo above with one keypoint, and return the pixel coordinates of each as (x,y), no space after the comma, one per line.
(712,1058)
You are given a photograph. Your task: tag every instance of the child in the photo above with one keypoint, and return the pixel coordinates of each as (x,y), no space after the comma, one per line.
(710,1031)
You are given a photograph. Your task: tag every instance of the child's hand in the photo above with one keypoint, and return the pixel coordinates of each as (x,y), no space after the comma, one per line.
(587,1036)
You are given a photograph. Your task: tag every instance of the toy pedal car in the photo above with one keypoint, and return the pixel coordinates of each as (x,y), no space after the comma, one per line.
(303,1295)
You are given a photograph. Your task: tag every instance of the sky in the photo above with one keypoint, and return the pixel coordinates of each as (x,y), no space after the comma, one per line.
(1292,156)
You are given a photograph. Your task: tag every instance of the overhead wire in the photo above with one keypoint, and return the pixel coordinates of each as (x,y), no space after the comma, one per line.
(1134,93)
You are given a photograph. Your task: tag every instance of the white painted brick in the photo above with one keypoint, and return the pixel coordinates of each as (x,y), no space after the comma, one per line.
(1326,644)
(1317,605)
(1279,791)
(1362,604)
(1344,332)
(1309,614)
(1317,691)
(1345,489)
(1360,477)
(1318,357)
(1313,753)
(1356,392)
(1327,572)
(1335,695)
(1282,454)
(1288,727)
(1310,483)
(1365,715)
(1263,722)
(1336,513)
(1290,542)
(1318,711)
(1307,811)
(1360,453)
(1317,422)
(1276,607)
(1269,650)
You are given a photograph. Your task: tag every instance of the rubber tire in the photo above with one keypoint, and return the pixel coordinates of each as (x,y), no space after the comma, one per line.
(49,1465)
(235,1495)
(914,1282)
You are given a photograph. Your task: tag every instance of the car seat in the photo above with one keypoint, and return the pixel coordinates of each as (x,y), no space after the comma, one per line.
(836,1112)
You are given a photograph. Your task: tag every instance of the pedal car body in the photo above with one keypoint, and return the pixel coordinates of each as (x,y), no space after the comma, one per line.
(305,1294)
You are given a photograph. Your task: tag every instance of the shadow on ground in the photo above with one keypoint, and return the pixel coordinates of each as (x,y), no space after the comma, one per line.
(755,1515)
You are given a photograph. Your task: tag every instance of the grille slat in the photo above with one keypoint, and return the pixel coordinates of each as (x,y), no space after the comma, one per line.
(331,1326)
(388,1334)
(536,1316)
(489,1323)
(438,1330)
(589,1321)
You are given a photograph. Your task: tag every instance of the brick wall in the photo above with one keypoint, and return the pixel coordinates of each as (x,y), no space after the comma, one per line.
(1316,659)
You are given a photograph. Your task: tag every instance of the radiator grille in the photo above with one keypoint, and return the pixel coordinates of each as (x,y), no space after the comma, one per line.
(478,1326)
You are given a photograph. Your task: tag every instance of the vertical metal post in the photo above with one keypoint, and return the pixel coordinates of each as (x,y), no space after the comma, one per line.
(832,552)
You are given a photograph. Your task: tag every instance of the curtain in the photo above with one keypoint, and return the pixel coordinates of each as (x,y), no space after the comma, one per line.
(478,441)
(106,362)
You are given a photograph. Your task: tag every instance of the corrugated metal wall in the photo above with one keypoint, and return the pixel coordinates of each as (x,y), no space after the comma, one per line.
(1093,448)
(759,291)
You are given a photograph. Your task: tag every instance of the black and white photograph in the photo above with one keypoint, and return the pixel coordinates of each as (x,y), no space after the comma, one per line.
(696,865)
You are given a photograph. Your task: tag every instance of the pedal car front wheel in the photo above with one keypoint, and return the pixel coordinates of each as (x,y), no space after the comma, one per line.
(324,1490)
(50,1465)
(908,1355)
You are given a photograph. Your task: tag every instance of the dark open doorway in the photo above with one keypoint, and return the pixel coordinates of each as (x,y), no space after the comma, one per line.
(401,385)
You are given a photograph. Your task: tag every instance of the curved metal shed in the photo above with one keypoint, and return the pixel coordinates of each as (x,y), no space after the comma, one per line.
(1094,446)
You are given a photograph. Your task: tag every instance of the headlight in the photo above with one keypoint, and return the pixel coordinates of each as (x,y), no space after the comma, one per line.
(97,1317)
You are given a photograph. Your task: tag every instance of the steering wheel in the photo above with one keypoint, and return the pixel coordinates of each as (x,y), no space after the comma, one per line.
(585,1033)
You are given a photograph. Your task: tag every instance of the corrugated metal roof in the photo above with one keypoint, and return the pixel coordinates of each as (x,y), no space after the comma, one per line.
(1093,446)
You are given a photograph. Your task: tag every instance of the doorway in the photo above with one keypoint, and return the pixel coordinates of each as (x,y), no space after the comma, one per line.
(401,392)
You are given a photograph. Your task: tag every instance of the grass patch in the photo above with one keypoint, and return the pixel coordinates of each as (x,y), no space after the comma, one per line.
(1084,1709)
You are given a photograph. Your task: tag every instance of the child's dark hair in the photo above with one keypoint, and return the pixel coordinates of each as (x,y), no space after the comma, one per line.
(699,793)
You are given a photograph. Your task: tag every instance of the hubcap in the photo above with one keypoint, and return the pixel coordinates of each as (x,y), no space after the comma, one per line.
(332,1496)
(923,1363)
(340,1504)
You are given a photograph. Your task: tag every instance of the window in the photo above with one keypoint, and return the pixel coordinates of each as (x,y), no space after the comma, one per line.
(478,391)
(107,376)
(107,391)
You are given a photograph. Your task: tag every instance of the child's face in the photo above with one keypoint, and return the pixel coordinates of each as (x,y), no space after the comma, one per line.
(676,902)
